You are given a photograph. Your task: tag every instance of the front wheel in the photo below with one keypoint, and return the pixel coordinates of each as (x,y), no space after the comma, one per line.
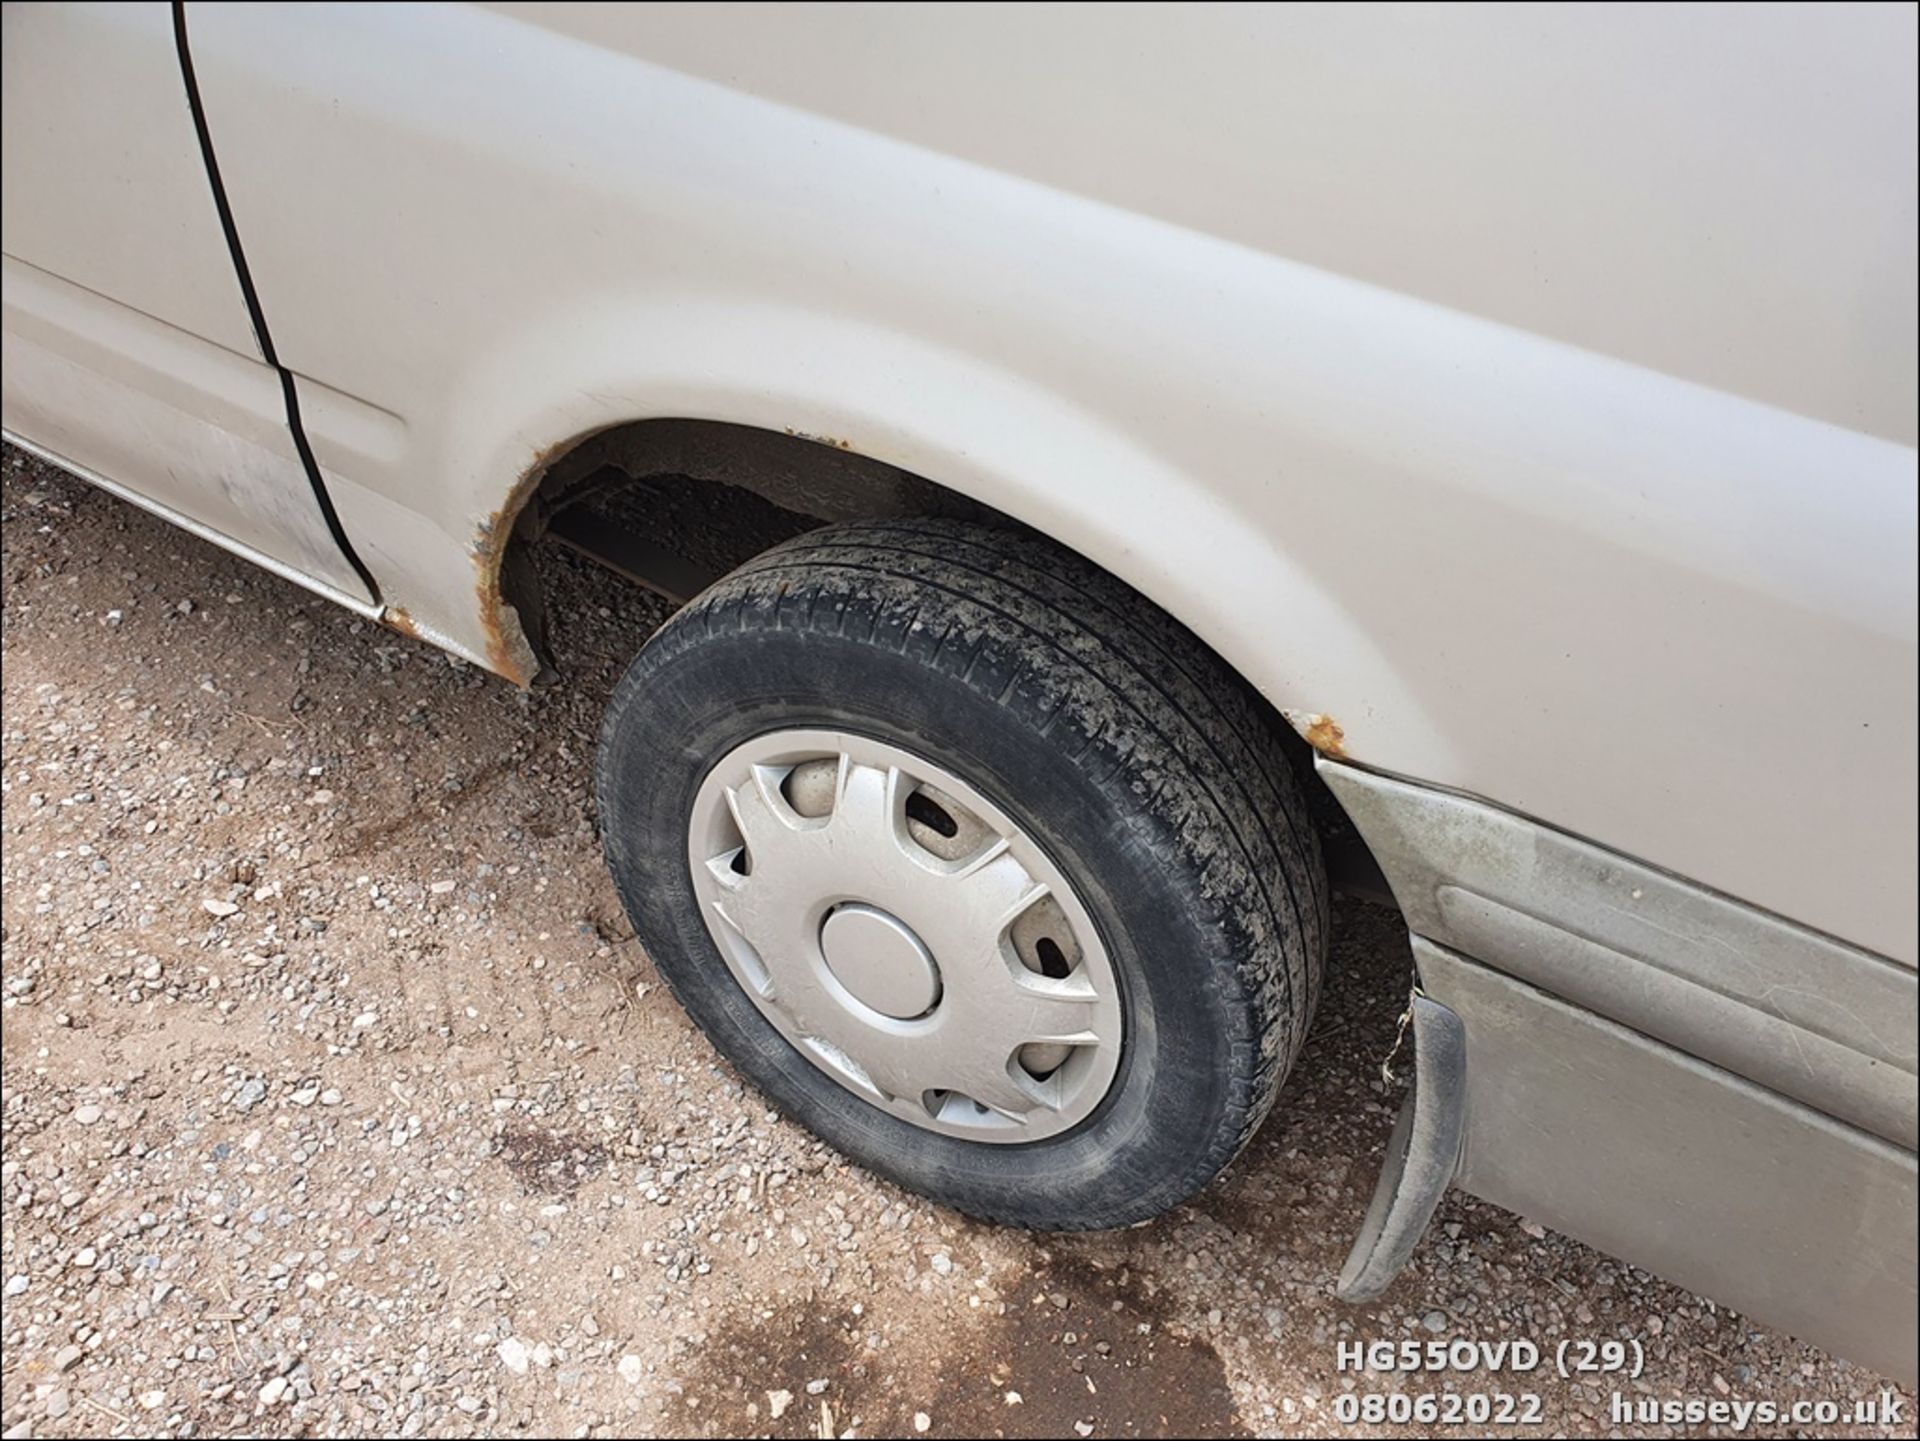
(979,865)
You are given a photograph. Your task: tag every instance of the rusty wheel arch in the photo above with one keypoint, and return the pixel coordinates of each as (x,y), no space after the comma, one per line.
(813,479)
(819,477)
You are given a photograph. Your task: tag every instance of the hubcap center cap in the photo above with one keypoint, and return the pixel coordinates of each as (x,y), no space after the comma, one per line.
(880,961)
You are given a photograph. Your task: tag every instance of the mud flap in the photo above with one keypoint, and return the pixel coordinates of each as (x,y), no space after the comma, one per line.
(1422,1154)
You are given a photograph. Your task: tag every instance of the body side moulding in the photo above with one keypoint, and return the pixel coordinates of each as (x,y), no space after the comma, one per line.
(1676,1165)
(1815,1019)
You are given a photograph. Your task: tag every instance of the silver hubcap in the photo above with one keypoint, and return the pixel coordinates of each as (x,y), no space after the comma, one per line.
(905,936)
(880,961)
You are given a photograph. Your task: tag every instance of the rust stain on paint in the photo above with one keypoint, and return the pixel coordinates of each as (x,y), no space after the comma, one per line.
(508,653)
(1322,732)
(832,442)
(396,618)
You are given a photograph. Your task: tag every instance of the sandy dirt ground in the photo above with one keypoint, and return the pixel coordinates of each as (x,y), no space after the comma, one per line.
(338,1098)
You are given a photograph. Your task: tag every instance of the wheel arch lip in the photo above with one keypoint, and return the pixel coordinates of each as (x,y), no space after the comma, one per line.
(976,429)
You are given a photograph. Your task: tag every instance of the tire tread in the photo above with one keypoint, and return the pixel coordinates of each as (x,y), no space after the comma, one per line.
(1157,712)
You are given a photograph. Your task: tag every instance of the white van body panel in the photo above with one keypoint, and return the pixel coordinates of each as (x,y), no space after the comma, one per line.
(1522,397)
(1535,420)
(128,351)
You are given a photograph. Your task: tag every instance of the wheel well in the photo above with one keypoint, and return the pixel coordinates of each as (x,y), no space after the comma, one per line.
(674,504)
(747,488)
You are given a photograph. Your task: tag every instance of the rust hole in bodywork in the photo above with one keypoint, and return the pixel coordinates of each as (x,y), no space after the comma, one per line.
(1322,732)
(509,651)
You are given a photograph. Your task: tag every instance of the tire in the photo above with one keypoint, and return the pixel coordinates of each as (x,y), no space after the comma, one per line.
(1140,766)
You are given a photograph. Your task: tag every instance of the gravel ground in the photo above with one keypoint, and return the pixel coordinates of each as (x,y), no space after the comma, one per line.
(338,1098)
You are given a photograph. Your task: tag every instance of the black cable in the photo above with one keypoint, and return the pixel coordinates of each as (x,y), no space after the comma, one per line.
(255,313)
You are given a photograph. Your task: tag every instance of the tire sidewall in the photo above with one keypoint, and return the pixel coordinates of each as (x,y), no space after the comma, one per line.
(689,701)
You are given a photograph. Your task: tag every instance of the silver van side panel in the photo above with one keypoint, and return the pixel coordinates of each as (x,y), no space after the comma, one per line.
(1549,437)
(1796,1012)
(1750,1198)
